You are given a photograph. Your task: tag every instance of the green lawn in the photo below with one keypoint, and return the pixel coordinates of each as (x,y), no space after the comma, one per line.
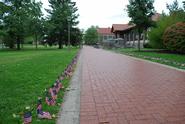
(175,60)
(24,75)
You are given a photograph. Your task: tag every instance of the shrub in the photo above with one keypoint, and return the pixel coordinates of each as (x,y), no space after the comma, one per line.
(147,45)
(174,37)
(156,33)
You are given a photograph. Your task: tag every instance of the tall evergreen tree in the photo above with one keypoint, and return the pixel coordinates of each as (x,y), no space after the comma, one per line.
(61,11)
(15,20)
(35,21)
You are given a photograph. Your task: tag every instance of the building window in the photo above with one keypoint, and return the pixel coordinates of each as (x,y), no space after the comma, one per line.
(110,37)
(105,37)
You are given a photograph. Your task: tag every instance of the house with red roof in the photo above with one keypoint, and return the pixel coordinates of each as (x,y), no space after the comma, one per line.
(120,29)
(156,17)
(128,32)
(105,34)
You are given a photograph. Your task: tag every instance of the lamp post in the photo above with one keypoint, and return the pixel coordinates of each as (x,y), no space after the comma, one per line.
(69,20)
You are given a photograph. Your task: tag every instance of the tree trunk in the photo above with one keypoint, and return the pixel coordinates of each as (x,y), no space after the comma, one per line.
(36,41)
(139,33)
(60,44)
(18,43)
(134,38)
(144,38)
(22,45)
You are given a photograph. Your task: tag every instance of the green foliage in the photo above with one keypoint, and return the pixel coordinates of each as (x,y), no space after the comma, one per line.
(156,33)
(26,77)
(76,36)
(62,15)
(147,45)
(140,12)
(174,37)
(35,22)
(173,7)
(91,36)
(23,18)
(18,19)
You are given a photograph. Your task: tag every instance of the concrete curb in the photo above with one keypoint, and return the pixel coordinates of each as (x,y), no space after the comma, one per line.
(70,110)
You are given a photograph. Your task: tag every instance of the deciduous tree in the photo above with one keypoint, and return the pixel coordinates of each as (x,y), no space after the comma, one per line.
(91,35)
(140,12)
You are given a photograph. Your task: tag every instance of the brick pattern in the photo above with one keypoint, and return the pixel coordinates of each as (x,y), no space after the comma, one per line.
(117,89)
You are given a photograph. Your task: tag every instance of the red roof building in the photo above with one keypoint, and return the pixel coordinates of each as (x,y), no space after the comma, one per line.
(156,17)
(105,34)
(121,27)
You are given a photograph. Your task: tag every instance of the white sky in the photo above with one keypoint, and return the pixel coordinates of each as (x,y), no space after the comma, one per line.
(104,13)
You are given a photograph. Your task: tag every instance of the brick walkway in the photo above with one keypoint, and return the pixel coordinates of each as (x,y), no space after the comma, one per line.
(117,89)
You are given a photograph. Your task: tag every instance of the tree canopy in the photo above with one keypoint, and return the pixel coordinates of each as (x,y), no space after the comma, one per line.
(17,18)
(176,15)
(20,19)
(91,35)
(61,15)
(140,12)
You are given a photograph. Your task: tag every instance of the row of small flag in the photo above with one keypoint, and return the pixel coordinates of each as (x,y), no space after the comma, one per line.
(50,94)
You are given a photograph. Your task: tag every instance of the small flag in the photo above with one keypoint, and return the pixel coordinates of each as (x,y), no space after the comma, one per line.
(50,101)
(27,117)
(41,114)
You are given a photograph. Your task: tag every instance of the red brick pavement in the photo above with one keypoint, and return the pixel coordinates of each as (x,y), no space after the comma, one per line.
(117,89)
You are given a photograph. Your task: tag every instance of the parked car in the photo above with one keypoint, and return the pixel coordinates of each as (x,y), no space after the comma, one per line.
(97,45)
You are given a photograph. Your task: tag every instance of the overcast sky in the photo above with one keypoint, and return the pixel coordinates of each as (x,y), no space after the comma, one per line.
(104,13)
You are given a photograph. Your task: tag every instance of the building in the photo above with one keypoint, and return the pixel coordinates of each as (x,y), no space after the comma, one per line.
(129,33)
(120,30)
(105,34)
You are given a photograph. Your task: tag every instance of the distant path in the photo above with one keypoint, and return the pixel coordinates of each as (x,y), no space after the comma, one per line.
(117,89)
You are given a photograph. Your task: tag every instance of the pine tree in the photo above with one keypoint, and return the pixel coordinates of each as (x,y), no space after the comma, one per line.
(59,16)
(17,20)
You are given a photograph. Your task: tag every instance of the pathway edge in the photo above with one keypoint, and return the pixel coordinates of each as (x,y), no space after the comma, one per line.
(70,109)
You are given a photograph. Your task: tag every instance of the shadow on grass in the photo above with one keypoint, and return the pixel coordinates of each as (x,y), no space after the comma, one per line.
(35,49)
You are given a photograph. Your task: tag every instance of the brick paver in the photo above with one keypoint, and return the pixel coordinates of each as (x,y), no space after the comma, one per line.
(117,89)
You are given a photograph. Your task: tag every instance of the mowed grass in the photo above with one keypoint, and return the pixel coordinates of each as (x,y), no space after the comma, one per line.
(24,75)
(175,60)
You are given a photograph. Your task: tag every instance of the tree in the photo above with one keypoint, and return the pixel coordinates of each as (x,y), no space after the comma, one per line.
(3,10)
(58,18)
(167,20)
(76,36)
(156,33)
(174,37)
(91,35)
(173,7)
(16,20)
(140,12)
(35,21)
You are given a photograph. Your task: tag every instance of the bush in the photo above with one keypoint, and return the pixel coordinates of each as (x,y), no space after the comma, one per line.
(147,45)
(174,37)
(156,33)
